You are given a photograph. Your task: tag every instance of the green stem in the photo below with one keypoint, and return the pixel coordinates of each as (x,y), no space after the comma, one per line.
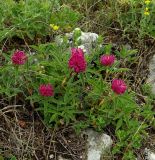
(46,112)
(106,74)
(82,80)
(16,77)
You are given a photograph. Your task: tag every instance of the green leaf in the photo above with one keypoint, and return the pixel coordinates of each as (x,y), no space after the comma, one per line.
(119,124)
(1,157)
(13,158)
(54,118)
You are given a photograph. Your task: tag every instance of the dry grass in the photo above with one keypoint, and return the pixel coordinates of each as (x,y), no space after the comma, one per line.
(24,135)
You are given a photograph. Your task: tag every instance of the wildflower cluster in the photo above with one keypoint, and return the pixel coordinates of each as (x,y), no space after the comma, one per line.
(19,58)
(118,85)
(147,12)
(77,60)
(46,90)
(78,63)
(73,87)
(77,89)
(107,60)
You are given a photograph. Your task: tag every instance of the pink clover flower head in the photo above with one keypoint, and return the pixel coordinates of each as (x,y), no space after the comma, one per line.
(107,60)
(19,57)
(46,90)
(77,60)
(118,86)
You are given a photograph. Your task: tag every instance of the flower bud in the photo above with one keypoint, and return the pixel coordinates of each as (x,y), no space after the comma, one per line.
(107,60)
(118,86)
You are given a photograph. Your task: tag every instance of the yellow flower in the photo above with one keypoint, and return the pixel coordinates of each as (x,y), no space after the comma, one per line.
(146,12)
(147,2)
(146,9)
(54,27)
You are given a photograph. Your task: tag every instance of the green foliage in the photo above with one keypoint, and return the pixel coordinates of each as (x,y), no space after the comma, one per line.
(126,17)
(11,85)
(9,158)
(84,99)
(81,100)
(32,18)
(1,157)
(65,17)
(131,18)
(13,158)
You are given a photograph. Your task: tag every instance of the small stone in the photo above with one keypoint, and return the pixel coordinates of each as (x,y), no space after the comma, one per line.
(51,156)
(83,48)
(151,77)
(59,40)
(87,40)
(149,154)
(98,144)
(81,157)
(88,37)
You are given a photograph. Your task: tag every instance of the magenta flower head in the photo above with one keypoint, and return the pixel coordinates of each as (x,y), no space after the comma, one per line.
(19,57)
(118,86)
(46,90)
(77,60)
(107,60)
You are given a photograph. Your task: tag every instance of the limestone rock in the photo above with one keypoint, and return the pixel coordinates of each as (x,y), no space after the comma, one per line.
(151,78)
(87,40)
(88,37)
(98,145)
(149,154)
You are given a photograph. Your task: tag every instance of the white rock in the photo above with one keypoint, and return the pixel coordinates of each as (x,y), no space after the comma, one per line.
(151,78)
(98,144)
(94,154)
(87,48)
(87,40)
(88,37)
(83,48)
(58,40)
(51,156)
(149,155)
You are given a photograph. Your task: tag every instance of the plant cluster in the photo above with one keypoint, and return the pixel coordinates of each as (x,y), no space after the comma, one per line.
(69,87)
(30,20)
(130,18)
(141,18)
(82,90)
